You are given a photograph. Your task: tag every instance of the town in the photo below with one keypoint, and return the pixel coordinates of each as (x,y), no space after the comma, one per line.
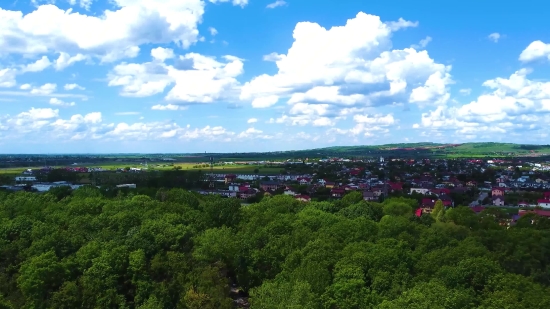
(517,186)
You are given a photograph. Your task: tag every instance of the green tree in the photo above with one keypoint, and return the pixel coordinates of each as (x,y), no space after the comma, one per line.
(283,295)
(40,276)
(438,211)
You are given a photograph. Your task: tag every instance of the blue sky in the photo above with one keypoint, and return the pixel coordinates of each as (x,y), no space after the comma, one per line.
(100,76)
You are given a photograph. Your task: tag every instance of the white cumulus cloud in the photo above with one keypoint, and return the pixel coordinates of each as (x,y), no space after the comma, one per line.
(38,66)
(264,102)
(7,78)
(110,35)
(330,74)
(195,78)
(44,89)
(58,102)
(162,54)
(494,37)
(73,86)
(535,51)
(516,104)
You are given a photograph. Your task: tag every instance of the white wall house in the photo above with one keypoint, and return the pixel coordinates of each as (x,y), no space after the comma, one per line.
(419,190)
(544,203)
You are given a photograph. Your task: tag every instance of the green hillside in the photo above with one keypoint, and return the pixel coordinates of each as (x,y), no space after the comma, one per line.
(431,150)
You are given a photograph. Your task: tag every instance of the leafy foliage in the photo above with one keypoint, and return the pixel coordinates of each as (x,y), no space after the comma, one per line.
(174,249)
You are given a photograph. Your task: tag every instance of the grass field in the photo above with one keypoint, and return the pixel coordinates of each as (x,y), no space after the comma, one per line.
(234,168)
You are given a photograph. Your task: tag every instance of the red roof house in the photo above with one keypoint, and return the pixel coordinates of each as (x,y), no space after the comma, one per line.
(302,198)
(544,213)
(337,192)
(498,191)
(440,191)
(395,186)
(477,209)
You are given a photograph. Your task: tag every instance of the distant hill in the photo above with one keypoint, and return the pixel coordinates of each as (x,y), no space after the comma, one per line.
(489,149)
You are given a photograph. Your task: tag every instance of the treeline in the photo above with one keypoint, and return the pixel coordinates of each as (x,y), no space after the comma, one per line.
(81,249)
(149,179)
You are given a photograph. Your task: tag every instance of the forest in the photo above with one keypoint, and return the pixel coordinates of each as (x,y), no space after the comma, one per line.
(175,249)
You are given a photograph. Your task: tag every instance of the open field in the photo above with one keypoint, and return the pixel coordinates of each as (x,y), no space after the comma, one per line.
(12,170)
(112,166)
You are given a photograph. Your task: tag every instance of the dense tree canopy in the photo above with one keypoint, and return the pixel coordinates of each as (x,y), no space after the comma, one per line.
(174,249)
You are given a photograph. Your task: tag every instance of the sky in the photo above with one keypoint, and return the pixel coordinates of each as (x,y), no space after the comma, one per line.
(186,76)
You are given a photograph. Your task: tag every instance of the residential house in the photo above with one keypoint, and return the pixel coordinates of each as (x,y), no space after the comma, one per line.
(544,213)
(348,187)
(337,192)
(377,191)
(427,205)
(230,178)
(460,190)
(369,196)
(447,201)
(289,191)
(227,193)
(302,198)
(471,183)
(395,186)
(244,187)
(441,191)
(477,209)
(420,190)
(355,171)
(247,193)
(304,180)
(497,192)
(523,204)
(498,200)
(269,185)
(234,187)
(329,184)
(546,195)
(544,203)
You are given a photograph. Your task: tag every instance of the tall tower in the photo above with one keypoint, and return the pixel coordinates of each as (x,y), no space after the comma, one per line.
(212,185)
(386,177)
